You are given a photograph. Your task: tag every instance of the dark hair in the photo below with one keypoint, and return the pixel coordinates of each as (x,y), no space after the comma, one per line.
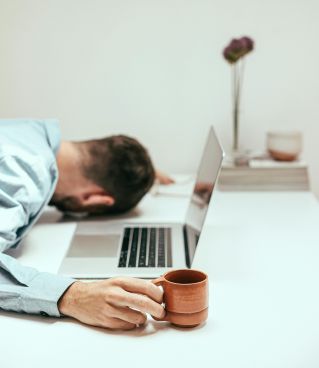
(121,166)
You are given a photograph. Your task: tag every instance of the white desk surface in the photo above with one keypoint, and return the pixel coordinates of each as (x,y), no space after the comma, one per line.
(261,251)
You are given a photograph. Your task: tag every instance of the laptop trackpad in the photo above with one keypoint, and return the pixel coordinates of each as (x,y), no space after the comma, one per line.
(94,246)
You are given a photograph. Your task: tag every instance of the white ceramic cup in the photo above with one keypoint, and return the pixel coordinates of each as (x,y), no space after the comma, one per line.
(284,146)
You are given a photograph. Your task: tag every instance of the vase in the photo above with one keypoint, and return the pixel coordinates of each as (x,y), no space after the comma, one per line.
(235,128)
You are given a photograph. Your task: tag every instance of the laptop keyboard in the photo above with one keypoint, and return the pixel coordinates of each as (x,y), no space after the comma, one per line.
(146,247)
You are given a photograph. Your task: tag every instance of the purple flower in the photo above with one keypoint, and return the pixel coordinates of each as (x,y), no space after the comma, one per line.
(238,48)
(247,43)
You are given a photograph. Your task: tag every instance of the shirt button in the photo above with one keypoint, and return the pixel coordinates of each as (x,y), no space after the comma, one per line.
(44,314)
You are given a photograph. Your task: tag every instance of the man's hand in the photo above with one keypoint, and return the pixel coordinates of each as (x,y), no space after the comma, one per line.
(118,303)
(163,178)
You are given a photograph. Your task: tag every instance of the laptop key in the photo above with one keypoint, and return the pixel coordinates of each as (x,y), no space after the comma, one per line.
(142,256)
(134,245)
(124,249)
(152,248)
(161,248)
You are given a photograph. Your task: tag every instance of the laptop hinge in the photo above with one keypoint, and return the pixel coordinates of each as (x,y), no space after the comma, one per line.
(187,259)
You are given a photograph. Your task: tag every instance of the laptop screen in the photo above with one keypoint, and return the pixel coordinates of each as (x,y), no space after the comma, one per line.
(207,175)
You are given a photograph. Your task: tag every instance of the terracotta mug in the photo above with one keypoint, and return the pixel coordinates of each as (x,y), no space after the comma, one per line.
(185,297)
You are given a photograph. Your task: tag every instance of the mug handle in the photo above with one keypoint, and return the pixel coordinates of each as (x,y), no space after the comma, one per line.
(158,282)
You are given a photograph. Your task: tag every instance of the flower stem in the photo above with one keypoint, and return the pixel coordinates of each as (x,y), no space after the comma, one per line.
(236,92)
(238,75)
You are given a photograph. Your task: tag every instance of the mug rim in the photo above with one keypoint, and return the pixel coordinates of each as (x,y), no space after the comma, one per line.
(284,134)
(185,269)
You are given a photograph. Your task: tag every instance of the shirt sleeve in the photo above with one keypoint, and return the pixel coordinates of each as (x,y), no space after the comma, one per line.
(24,187)
(24,289)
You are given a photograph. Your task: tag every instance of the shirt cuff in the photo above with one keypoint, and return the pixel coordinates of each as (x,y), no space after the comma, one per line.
(45,291)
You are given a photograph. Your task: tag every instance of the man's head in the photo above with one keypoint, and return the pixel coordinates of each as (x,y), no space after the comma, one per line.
(107,175)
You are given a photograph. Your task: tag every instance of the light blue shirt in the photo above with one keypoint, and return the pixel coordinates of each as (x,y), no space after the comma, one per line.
(28,176)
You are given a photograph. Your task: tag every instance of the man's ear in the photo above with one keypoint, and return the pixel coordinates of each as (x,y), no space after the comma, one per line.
(98,199)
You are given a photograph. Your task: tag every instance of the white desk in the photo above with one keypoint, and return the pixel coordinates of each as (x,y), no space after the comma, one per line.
(261,251)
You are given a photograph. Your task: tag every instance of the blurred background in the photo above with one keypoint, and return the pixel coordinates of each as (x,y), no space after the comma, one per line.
(154,69)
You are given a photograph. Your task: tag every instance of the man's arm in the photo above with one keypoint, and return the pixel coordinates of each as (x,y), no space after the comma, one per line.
(118,303)
(24,289)
(24,185)
(115,303)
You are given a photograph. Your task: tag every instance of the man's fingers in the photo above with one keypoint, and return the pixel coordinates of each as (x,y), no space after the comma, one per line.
(139,286)
(118,324)
(129,315)
(141,303)
(164,178)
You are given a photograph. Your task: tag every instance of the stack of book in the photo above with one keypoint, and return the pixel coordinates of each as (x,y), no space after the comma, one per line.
(264,175)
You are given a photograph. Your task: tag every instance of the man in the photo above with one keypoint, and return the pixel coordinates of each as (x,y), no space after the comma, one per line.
(109,175)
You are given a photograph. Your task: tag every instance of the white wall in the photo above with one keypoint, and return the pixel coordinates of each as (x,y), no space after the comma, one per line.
(153,69)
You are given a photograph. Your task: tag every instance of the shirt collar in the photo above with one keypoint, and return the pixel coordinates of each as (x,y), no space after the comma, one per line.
(53,133)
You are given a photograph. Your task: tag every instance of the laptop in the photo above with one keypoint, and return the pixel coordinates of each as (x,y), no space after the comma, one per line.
(102,249)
